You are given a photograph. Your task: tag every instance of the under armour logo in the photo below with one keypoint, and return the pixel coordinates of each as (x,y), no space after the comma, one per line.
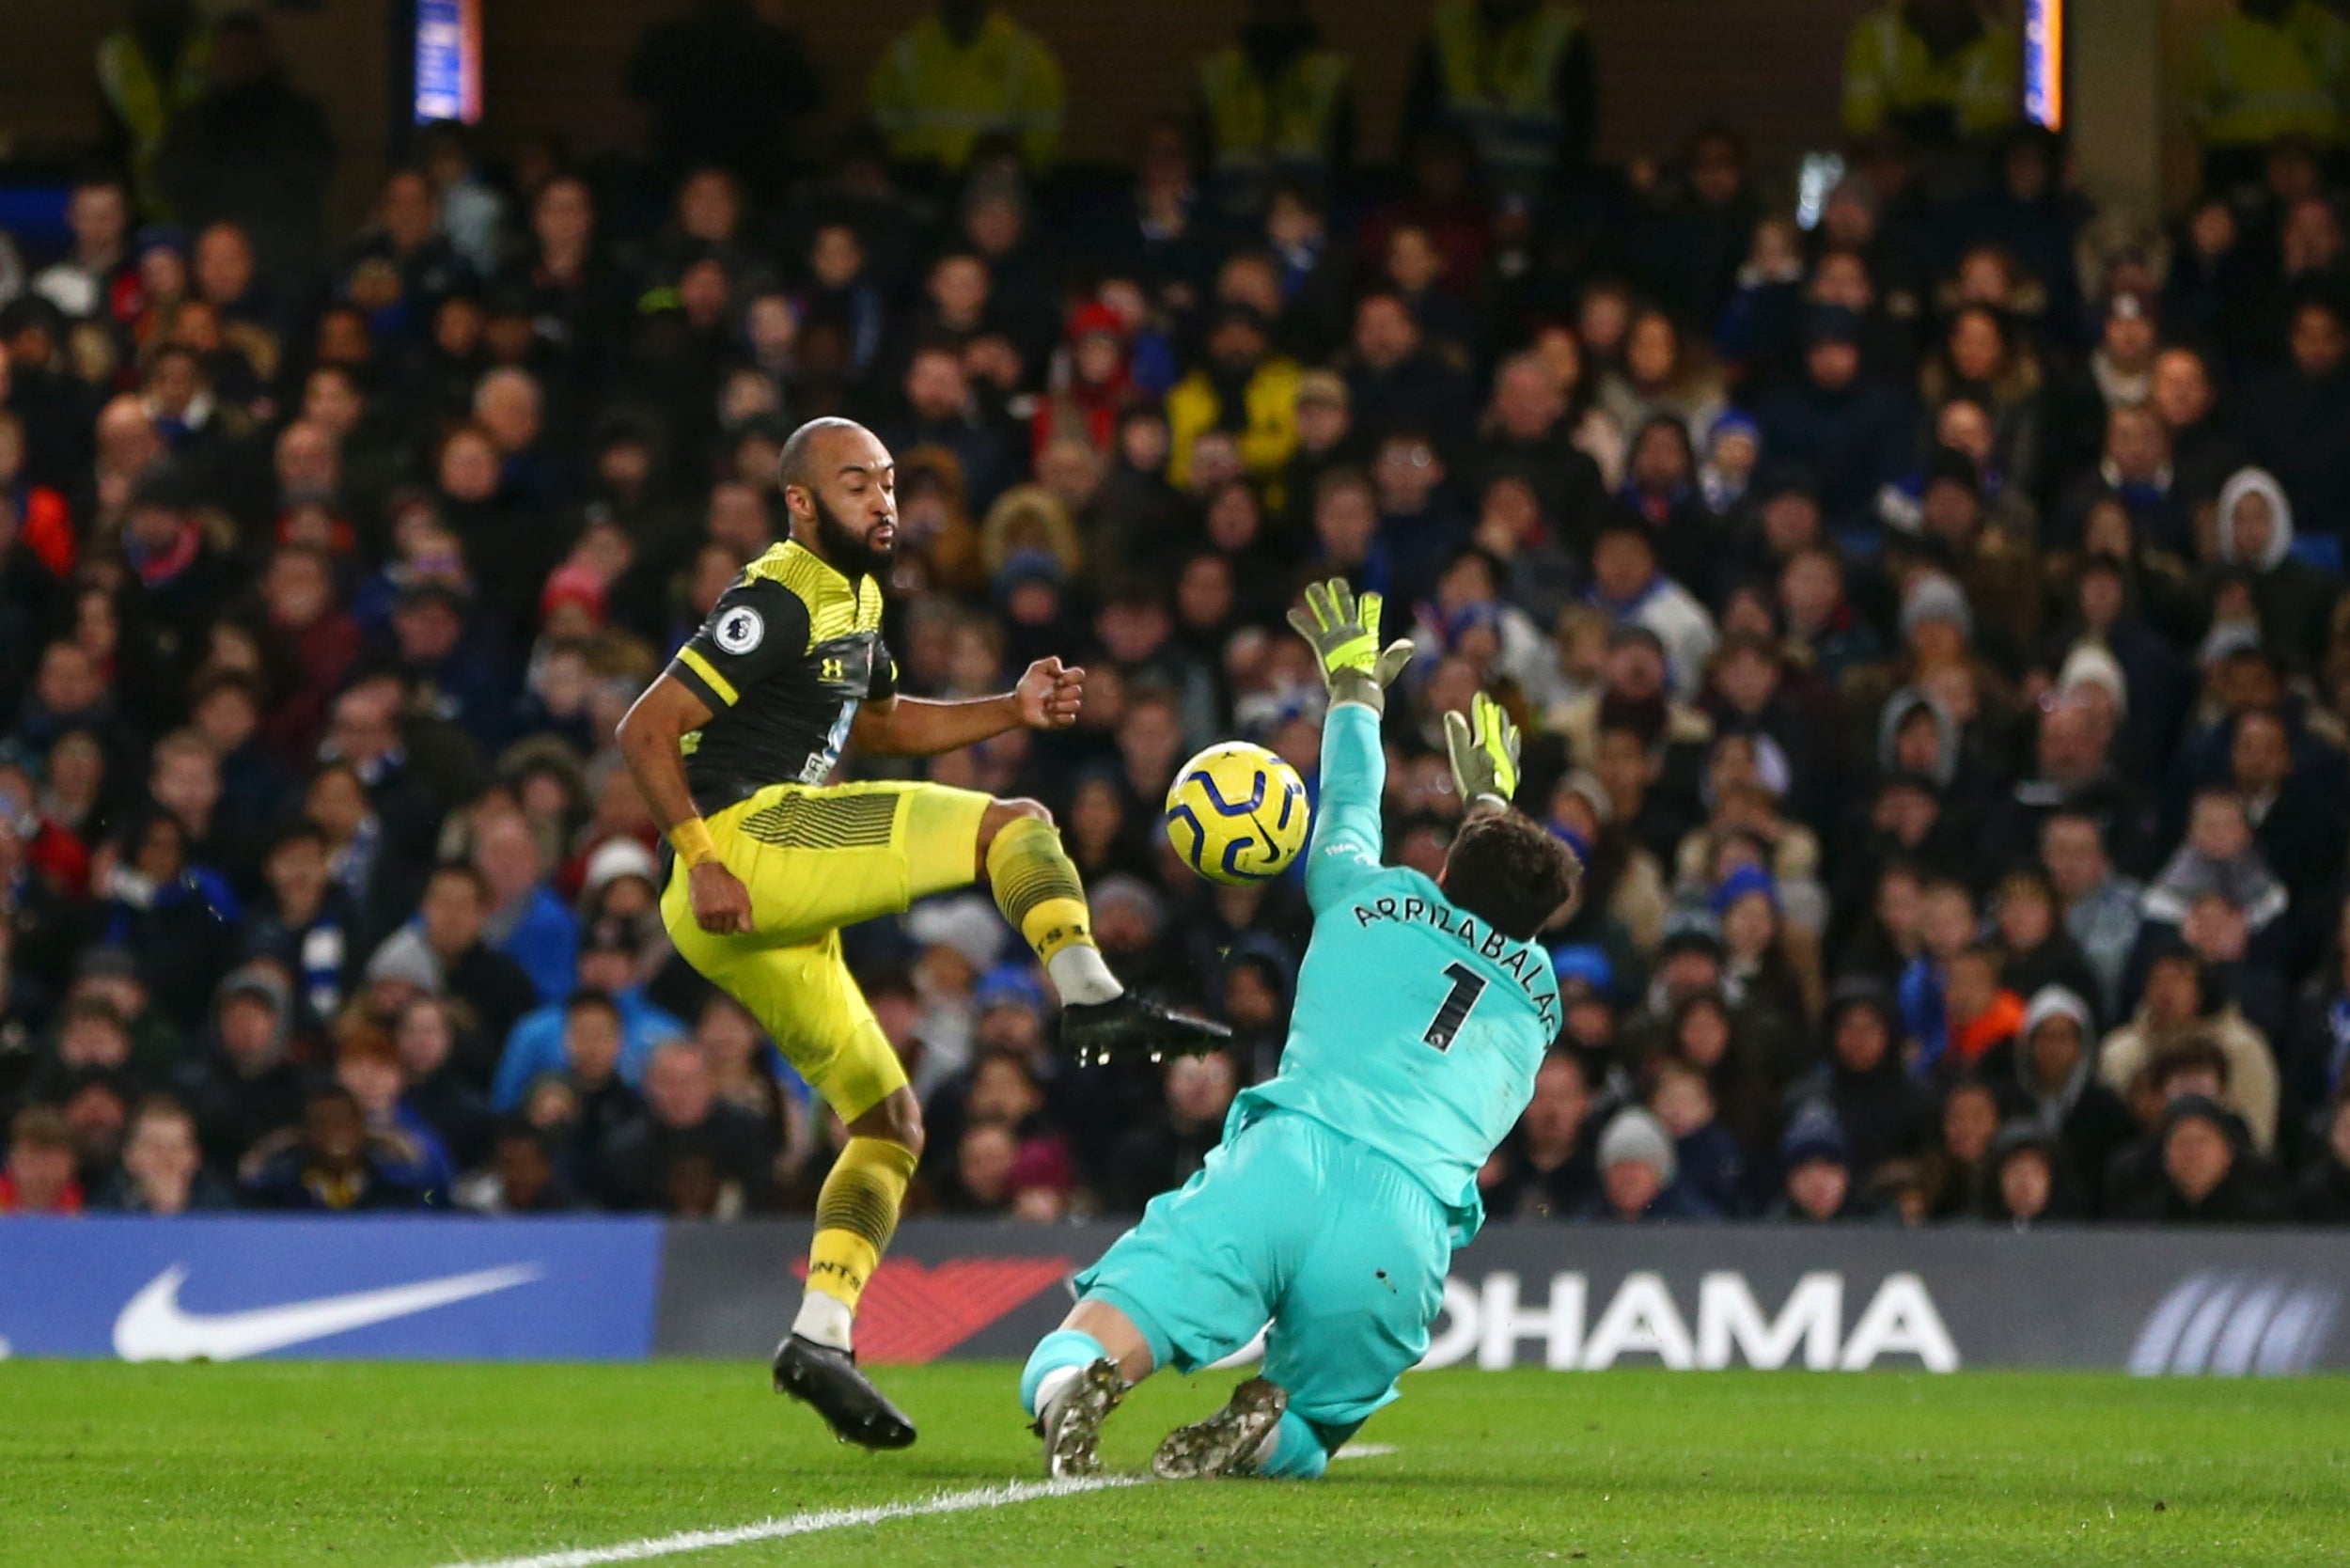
(834,670)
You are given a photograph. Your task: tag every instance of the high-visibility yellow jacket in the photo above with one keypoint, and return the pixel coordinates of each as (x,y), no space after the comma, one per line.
(1497,84)
(2254,81)
(1888,71)
(1268,436)
(933,98)
(1255,125)
(145,101)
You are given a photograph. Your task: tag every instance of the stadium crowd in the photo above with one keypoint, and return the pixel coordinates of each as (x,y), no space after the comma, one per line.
(1928,622)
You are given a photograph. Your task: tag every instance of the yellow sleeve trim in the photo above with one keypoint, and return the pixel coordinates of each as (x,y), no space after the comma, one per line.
(721,688)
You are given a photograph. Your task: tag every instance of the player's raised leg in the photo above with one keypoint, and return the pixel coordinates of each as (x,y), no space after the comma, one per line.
(1037,888)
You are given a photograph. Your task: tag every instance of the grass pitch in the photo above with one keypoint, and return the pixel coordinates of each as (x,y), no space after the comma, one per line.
(416,1467)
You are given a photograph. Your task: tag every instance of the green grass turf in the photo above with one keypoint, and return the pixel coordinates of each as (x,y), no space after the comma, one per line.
(410,1467)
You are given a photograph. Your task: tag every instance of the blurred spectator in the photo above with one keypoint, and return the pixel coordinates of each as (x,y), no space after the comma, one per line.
(446,952)
(1637,1175)
(688,1153)
(1818,1162)
(1163,1154)
(333,1161)
(1880,1111)
(1548,1169)
(149,70)
(1960,1178)
(162,1168)
(725,84)
(38,1176)
(250,150)
(522,1177)
(2030,1187)
(962,75)
(369,1065)
(529,923)
(1241,387)
(2181,1006)
(1937,70)
(2205,1177)
(2086,1119)
(1274,105)
(2266,70)
(607,960)
(241,1087)
(1516,78)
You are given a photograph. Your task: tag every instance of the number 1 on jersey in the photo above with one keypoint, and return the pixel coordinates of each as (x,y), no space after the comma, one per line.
(1467,986)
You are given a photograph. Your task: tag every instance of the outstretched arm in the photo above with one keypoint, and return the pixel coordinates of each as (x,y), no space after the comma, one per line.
(1344,633)
(1048,698)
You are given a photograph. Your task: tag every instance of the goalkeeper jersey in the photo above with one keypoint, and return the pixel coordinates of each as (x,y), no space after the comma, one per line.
(1417,1030)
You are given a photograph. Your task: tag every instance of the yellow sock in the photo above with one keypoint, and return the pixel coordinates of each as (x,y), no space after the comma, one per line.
(1037,888)
(855,1214)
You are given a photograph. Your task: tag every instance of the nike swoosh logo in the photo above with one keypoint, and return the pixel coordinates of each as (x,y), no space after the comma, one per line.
(155,1327)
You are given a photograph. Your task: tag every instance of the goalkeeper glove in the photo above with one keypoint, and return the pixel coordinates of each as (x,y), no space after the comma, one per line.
(1483,748)
(1344,632)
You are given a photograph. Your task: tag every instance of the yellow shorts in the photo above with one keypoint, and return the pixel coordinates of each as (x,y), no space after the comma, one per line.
(815,858)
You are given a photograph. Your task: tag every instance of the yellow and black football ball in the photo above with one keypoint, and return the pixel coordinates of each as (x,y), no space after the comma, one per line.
(1237,813)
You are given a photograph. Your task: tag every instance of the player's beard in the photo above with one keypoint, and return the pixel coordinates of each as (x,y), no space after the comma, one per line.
(850,556)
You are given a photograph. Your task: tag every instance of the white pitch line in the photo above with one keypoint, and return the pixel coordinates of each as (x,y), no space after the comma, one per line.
(1365,1450)
(806,1524)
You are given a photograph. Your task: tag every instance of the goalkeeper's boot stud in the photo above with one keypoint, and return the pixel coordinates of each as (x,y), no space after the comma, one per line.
(1226,1443)
(1071,1422)
(1129,1025)
(829,1379)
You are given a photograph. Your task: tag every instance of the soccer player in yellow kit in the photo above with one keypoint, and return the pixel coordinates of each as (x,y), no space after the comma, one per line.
(732,745)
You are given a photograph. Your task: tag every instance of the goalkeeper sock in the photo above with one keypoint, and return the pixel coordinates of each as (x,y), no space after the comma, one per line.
(1037,888)
(1297,1453)
(1057,1358)
(855,1214)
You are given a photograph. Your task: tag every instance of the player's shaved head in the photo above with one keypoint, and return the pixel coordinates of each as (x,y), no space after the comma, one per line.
(840,485)
(808,455)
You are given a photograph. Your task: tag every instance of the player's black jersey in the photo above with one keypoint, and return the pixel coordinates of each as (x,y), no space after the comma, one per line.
(788,654)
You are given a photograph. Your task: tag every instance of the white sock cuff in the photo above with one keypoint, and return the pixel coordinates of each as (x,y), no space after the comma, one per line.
(826,1319)
(1053,1383)
(1081,976)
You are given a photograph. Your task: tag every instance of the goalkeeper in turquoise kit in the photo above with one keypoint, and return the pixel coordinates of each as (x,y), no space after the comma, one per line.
(1331,1209)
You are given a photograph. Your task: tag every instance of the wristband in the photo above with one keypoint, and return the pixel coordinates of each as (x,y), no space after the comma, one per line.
(691,839)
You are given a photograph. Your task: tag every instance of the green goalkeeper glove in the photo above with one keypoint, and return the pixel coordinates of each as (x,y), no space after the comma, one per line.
(1483,748)
(1344,632)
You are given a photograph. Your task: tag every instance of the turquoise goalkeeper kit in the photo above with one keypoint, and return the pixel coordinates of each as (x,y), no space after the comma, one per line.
(1332,1207)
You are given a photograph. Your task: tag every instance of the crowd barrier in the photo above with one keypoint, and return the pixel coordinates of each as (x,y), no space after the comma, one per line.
(1566,1297)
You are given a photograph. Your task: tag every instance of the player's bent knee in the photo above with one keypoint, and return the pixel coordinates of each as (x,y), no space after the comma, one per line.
(899,1119)
(1000,815)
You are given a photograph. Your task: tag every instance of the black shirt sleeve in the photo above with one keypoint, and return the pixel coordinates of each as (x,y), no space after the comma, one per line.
(883,684)
(754,629)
